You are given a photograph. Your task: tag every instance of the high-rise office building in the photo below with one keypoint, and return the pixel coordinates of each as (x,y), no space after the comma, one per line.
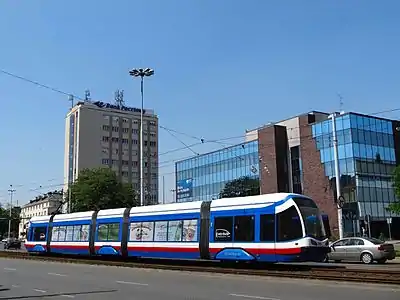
(102,134)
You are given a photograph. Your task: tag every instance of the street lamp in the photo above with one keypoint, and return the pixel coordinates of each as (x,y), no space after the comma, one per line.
(141,73)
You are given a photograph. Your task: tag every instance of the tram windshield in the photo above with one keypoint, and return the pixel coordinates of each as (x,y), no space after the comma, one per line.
(312,218)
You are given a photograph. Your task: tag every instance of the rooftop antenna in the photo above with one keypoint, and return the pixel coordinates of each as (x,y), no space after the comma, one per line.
(87,96)
(71,98)
(340,101)
(119,98)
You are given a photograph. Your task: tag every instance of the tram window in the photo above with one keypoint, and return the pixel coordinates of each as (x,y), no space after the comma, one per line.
(267,228)
(223,229)
(108,232)
(244,228)
(289,225)
(39,234)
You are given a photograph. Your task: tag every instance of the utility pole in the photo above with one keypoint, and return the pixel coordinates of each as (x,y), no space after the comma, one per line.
(11,191)
(337,174)
(163,189)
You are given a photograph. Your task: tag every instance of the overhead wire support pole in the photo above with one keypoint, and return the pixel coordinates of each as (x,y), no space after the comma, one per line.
(141,73)
(339,198)
(11,191)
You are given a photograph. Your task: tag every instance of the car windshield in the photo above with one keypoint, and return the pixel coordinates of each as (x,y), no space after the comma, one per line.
(312,218)
(375,241)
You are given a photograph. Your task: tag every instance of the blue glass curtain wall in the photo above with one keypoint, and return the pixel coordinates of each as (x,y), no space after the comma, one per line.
(366,160)
(210,172)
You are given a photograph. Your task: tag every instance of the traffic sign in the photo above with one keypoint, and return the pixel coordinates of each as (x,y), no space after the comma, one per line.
(389,220)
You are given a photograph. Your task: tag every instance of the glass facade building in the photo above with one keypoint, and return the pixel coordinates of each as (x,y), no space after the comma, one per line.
(367,159)
(203,177)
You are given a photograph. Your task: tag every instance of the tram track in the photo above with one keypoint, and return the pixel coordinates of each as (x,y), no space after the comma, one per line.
(332,273)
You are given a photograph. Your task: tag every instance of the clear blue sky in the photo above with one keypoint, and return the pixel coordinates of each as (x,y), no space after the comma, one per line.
(221,67)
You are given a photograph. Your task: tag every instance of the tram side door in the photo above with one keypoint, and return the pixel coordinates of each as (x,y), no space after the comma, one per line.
(267,234)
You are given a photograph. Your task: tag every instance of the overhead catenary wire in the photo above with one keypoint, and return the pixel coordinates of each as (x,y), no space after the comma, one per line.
(201,140)
(165,163)
(261,147)
(163,127)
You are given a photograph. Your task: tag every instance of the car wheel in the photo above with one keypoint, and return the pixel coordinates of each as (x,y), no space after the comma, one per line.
(366,258)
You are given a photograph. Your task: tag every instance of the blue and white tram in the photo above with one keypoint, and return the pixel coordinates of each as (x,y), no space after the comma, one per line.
(272,228)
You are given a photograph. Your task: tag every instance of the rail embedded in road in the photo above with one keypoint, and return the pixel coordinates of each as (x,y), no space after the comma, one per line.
(277,270)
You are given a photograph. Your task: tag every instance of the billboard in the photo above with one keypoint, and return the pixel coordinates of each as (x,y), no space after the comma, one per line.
(184,188)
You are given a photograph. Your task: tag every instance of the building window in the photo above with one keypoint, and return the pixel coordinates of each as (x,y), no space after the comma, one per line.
(296,170)
(106,127)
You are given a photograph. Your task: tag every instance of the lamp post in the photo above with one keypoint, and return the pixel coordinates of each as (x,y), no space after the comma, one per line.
(11,191)
(141,73)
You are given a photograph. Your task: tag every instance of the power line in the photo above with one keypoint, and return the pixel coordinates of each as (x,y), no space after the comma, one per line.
(37,83)
(200,139)
(187,147)
(165,163)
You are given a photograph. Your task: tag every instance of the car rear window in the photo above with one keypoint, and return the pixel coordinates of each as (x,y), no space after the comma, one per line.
(375,241)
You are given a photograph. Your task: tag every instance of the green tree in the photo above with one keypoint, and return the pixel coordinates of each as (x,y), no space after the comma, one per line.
(241,187)
(99,188)
(15,219)
(395,207)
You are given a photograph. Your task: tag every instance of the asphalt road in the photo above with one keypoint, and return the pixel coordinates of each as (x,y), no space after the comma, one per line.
(21,279)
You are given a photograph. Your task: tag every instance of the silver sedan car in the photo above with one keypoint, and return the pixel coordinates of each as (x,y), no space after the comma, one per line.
(366,250)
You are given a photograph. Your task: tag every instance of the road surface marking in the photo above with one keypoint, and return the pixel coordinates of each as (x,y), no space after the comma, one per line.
(67,296)
(253,297)
(10,269)
(40,291)
(15,286)
(131,283)
(56,274)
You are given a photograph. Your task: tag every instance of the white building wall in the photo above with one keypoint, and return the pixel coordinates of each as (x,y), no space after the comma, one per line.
(44,207)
